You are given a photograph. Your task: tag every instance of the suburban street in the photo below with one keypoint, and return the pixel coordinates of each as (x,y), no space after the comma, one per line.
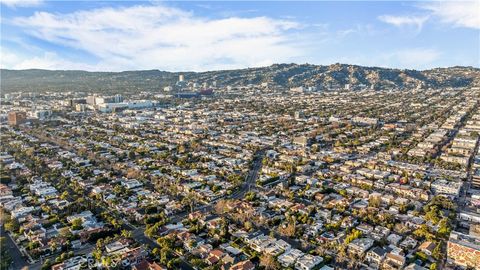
(139,233)
(19,260)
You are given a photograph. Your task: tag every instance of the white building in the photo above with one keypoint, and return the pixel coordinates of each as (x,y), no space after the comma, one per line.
(308,262)
(442,186)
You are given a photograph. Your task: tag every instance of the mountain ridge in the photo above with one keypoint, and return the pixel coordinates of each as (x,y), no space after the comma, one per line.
(282,75)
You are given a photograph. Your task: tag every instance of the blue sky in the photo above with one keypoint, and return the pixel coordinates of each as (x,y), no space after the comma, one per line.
(202,35)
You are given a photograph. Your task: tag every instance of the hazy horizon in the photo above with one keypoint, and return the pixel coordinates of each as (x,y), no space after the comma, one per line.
(190,71)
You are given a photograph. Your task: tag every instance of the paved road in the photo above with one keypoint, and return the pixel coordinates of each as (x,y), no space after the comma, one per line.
(251,176)
(18,259)
(250,180)
(139,233)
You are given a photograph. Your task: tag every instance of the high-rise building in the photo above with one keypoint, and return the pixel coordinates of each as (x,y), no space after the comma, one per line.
(40,114)
(118,98)
(91,100)
(16,118)
(75,101)
(80,107)
(181,78)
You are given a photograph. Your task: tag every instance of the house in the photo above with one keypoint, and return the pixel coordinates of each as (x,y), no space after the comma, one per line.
(88,220)
(360,245)
(35,233)
(22,211)
(133,256)
(244,265)
(214,256)
(393,261)
(394,239)
(116,246)
(277,247)
(76,244)
(442,186)
(365,228)
(308,262)
(260,242)
(73,263)
(131,183)
(375,256)
(146,265)
(288,258)
(427,247)
(408,243)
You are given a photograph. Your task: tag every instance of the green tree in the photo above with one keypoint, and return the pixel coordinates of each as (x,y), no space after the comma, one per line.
(433,214)
(444,227)
(64,195)
(6,259)
(77,224)
(422,256)
(12,225)
(46,265)
(437,251)
(126,234)
(354,234)
(131,154)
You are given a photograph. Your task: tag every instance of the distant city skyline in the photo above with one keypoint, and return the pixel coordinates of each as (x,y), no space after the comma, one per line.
(206,35)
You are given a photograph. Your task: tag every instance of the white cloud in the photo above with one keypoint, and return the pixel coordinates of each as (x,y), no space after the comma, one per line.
(21,3)
(401,21)
(47,60)
(8,59)
(50,60)
(358,29)
(145,37)
(458,13)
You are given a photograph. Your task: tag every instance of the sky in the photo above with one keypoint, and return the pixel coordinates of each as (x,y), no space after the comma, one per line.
(215,35)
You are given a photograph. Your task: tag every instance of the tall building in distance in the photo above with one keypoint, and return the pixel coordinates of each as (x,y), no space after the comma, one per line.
(16,118)
(181,83)
(96,100)
(118,98)
(91,100)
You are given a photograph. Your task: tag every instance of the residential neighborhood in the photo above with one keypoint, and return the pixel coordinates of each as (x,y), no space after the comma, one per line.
(292,180)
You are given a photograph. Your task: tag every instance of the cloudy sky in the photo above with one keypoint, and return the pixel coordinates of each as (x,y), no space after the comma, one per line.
(199,36)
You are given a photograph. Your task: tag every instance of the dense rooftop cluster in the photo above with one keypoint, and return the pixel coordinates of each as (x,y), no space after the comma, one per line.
(246,178)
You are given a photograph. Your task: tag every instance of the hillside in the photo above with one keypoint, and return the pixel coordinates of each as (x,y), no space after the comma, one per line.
(284,75)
